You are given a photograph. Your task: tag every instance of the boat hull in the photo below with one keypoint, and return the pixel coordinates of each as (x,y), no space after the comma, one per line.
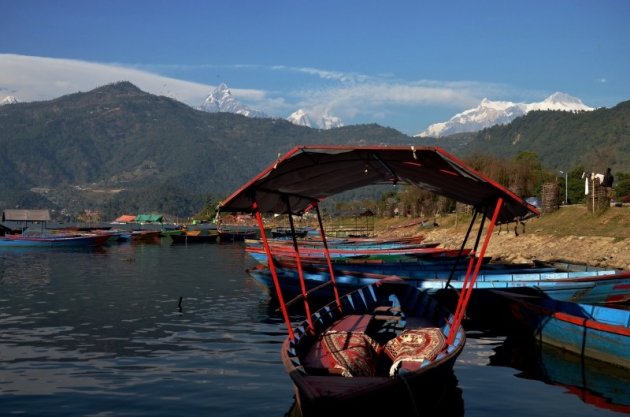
(326,394)
(588,286)
(591,331)
(51,241)
(201,238)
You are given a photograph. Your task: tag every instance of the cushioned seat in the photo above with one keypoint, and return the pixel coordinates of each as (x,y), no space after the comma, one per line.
(408,350)
(341,352)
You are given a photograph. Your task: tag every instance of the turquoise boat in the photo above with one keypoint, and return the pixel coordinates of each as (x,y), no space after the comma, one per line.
(591,331)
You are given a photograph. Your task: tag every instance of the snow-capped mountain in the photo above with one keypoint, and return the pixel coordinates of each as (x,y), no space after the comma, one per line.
(302,118)
(490,113)
(8,100)
(222,100)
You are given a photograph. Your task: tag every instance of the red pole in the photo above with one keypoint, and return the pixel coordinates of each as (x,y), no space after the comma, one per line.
(327,255)
(465,294)
(272,268)
(469,270)
(307,307)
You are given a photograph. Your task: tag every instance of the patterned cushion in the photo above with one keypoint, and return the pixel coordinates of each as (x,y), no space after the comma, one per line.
(352,353)
(414,346)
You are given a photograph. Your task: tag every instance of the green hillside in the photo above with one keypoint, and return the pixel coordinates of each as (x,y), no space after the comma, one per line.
(117,149)
(563,140)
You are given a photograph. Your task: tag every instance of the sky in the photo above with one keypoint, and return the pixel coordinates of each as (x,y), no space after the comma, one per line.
(400,64)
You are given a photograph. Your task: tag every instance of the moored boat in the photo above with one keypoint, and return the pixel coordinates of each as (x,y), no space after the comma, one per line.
(602,286)
(145,236)
(235,235)
(53,240)
(390,316)
(589,330)
(194,236)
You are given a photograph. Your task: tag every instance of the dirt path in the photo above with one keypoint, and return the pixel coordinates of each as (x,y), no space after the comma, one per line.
(600,251)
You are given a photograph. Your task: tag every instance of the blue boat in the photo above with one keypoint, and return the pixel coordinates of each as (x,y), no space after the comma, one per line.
(52,240)
(598,286)
(591,331)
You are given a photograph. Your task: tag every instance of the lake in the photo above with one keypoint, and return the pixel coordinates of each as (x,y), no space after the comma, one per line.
(175,330)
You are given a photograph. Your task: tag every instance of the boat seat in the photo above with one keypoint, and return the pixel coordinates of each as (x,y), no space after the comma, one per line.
(344,353)
(412,347)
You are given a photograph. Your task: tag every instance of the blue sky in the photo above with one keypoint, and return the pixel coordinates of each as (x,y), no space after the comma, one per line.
(402,64)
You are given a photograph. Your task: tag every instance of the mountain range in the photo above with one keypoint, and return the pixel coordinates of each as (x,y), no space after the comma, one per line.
(222,100)
(490,113)
(302,118)
(118,149)
(8,100)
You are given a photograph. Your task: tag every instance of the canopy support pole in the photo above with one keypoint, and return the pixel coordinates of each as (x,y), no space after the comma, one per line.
(272,268)
(470,283)
(327,255)
(461,249)
(471,263)
(307,307)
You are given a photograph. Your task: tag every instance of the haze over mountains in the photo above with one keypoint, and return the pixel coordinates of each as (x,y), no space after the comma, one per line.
(490,113)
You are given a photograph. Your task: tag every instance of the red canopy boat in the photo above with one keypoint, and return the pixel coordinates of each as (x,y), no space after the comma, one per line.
(382,343)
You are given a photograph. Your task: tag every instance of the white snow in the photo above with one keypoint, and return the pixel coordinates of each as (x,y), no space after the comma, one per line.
(490,113)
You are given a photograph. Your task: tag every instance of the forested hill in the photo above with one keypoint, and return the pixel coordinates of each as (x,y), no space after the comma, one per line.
(119,149)
(84,148)
(563,140)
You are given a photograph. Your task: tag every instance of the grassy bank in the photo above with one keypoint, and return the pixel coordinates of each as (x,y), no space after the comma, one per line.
(573,220)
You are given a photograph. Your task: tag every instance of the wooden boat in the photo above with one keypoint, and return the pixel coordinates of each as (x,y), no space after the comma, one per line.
(45,238)
(194,236)
(235,235)
(286,256)
(285,233)
(589,330)
(348,337)
(386,340)
(145,236)
(115,235)
(564,265)
(603,286)
(53,240)
(348,243)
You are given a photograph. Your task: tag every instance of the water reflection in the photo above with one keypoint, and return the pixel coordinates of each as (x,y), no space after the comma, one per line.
(596,383)
(24,268)
(104,333)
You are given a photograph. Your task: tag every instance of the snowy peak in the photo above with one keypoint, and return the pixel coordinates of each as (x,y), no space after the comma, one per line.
(222,100)
(8,100)
(561,102)
(326,121)
(300,118)
(490,113)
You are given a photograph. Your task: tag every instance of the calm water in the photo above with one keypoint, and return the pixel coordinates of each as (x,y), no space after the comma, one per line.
(101,333)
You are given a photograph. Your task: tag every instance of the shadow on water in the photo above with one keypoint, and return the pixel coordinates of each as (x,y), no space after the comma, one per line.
(596,383)
(439,400)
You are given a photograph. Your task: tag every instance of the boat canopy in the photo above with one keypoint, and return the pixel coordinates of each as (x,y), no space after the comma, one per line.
(307,175)
(16,215)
